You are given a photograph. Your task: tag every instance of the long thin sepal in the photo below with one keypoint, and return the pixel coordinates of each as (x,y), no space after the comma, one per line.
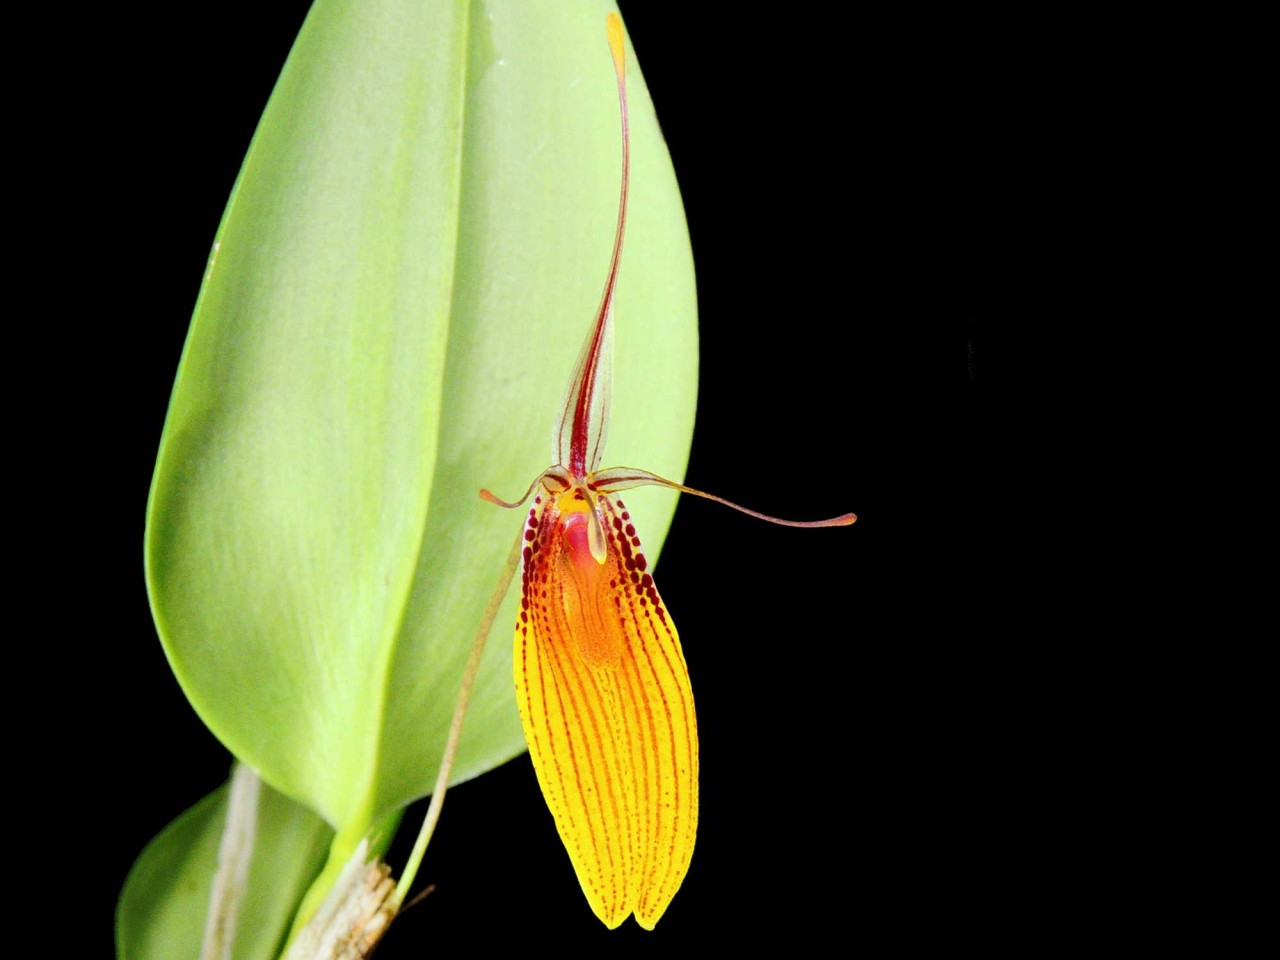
(578,437)
(624,478)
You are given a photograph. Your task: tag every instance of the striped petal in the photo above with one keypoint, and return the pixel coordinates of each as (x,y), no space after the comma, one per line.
(607,708)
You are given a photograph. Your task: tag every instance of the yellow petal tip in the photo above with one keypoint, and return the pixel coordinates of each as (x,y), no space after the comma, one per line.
(613,27)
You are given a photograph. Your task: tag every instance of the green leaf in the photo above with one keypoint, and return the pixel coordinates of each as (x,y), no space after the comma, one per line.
(410,259)
(162,908)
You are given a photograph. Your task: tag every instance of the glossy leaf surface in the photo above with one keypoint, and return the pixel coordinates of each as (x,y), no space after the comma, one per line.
(395,299)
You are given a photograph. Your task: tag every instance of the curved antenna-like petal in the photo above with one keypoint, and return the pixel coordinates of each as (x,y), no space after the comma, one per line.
(624,478)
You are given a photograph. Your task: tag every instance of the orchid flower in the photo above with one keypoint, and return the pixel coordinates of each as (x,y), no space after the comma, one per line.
(601,681)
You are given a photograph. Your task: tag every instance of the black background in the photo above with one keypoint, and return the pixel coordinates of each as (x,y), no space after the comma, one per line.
(866,197)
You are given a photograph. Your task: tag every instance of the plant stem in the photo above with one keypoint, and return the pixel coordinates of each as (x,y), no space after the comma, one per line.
(455,726)
(234,854)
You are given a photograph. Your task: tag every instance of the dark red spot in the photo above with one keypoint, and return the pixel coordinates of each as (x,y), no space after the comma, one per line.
(524,617)
(647,582)
(635,577)
(617,524)
(635,541)
(631,530)
(529,534)
(631,564)
(625,515)
(641,562)
(537,500)
(524,602)
(528,552)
